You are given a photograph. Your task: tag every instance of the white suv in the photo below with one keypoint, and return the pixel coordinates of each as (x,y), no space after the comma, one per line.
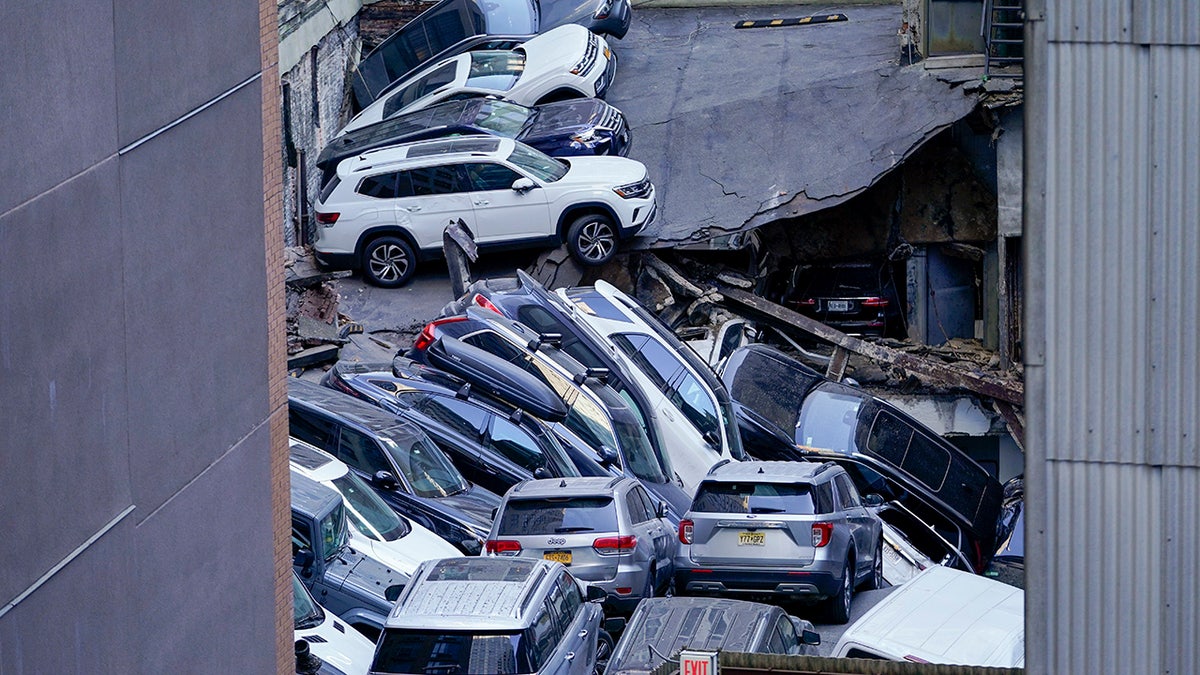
(386,209)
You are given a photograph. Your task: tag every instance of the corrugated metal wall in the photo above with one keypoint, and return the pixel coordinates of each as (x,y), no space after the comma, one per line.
(1113,336)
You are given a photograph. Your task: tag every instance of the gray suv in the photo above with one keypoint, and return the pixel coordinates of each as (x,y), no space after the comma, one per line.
(796,530)
(492,615)
(607,530)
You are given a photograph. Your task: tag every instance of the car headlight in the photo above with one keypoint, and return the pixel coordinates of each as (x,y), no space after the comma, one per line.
(633,190)
(602,13)
(585,136)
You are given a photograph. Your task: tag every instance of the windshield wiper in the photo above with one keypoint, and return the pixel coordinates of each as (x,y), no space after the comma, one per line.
(765,509)
(444,669)
(577,528)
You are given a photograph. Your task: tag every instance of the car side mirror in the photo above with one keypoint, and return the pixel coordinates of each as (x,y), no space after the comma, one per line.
(384,480)
(596,594)
(303,559)
(608,456)
(523,184)
(495,510)
(392,592)
(661,511)
(539,473)
(872,500)
(712,439)
(808,634)
(614,624)
(471,546)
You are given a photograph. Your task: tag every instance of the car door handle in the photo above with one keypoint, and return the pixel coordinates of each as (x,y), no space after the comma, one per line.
(583,633)
(570,656)
(411,209)
(481,202)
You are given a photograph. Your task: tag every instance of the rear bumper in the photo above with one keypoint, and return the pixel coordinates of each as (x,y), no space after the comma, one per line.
(815,583)
(335,261)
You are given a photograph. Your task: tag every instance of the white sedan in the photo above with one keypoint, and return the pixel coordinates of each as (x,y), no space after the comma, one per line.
(567,62)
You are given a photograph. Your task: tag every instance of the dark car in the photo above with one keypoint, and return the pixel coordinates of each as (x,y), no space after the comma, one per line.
(597,417)
(661,627)
(582,126)
(397,459)
(938,496)
(856,298)
(455,26)
(491,441)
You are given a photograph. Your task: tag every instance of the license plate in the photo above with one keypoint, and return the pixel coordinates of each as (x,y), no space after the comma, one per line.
(838,305)
(752,538)
(563,557)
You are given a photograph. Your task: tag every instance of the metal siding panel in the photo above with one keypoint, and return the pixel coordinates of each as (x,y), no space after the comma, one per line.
(1174,22)
(1174,375)
(1181,522)
(1092,21)
(1096,245)
(1099,591)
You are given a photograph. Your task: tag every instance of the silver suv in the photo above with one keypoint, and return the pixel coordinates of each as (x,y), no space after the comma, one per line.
(607,530)
(797,530)
(491,615)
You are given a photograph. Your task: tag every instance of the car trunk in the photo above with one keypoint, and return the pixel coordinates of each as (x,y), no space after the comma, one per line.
(752,540)
(564,529)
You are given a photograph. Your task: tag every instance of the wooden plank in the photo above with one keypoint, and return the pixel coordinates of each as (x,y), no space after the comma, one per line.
(837,364)
(980,383)
(1016,426)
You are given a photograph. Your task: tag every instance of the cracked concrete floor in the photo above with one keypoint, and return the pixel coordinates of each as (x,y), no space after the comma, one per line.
(739,127)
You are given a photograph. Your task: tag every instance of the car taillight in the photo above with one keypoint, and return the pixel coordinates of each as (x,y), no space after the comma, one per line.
(807,302)
(502,547)
(426,337)
(615,545)
(685,531)
(327,218)
(821,534)
(874,302)
(485,303)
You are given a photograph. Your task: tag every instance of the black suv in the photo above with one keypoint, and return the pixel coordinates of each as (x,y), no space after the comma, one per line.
(397,459)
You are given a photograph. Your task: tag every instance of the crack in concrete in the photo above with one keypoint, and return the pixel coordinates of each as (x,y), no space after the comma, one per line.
(724,191)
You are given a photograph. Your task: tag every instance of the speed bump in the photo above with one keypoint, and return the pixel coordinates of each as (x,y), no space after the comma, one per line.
(801,21)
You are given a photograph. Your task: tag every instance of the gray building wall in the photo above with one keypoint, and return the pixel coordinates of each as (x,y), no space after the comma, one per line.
(136,336)
(1112,227)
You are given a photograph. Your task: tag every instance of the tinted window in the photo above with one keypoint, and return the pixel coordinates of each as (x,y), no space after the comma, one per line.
(562,613)
(382,186)
(538,164)
(543,321)
(828,420)
(853,653)
(693,401)
(310,428)
(715,497)
(435,180)
(650,357)
(445,652)
(889,439)
(495,70)
(426,468)
(514,444)
(572,598)
(647,503)
(635,507)
(558,515)
(775,643)
(511,17)
(545,636)
(301,534)
(367,512)
(329,188)
(418,88)
(463,417)
(360,451)
(822,496)
(491,177)
(847,495)
(503,117)
(787,636)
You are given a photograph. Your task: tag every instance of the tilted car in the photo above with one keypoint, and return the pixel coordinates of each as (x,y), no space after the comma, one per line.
(375,528)
(857,298)
(455,26)
(566,62)
(493,615)
(329,639)
(582,126)
(661,627)
(944,503)
(790,530)
(397,459)
(598,418)
(386,209)
(608,531)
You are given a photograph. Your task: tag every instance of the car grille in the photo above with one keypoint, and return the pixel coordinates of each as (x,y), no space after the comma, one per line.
(611,120)
(584,66)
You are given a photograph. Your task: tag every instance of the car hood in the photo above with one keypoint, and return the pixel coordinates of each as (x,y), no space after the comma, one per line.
(339,645)
(555,51)
(472,506)
(602,170)
(566,118)
(364,577)
(405,553)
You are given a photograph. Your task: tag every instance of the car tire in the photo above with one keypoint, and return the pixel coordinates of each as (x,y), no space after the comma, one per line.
(604,650)
(876,579)
(388,262)
(839,604)
(592,239)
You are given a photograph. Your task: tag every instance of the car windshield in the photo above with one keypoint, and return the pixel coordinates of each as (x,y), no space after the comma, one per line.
(306,613)
(422,86)
(789,498)
(333,531)
(495,70)
(506,119)
(443,652)
(828,420)
(558,515)
(426,468)
(539,165)
(511,17)
(369,515)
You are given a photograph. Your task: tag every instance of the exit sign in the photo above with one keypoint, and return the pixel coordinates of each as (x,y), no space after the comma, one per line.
(697,663)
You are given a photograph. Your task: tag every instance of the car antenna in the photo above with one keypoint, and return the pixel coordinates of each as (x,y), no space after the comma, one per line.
(760,469)
(563,483)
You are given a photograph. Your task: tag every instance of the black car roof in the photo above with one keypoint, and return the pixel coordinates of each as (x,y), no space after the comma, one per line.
(350,409)
(670,624)
(449,116)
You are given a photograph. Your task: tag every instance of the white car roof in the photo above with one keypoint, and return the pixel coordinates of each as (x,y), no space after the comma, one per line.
(945,615)
(422,153)
(314,463)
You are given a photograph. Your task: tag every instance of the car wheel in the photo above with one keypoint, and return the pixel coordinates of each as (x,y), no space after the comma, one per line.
(388,262)
(604,650)
(876,580)
(839,605)
(592,239)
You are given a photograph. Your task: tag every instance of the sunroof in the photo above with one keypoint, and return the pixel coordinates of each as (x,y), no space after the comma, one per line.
(470,144)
